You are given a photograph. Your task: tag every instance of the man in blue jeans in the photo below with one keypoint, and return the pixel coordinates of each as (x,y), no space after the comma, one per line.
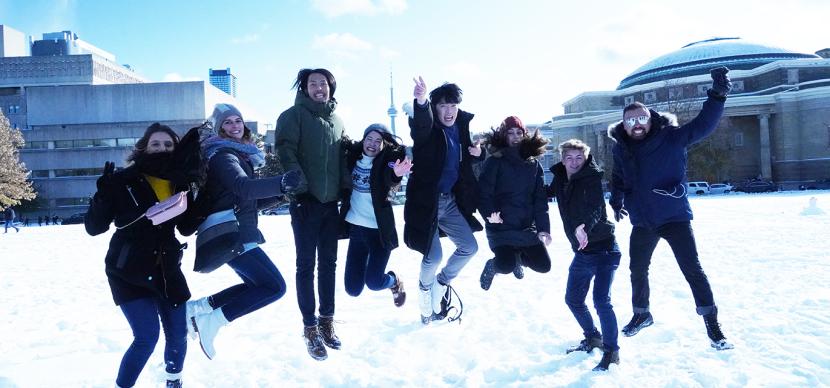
(441,192)
(577,186)
(649,183)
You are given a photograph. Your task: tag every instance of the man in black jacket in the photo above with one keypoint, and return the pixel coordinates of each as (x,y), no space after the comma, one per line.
(441,192)
(577,186)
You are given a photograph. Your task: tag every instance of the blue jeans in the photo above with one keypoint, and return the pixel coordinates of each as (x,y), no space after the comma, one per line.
(315,226)
(587,265)
(263,285)
(143,316)
(366,261)
(681,239)
(452,222)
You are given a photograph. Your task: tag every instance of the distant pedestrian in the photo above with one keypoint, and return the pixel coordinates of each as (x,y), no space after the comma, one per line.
(8,215)
(54,220)
(39,220)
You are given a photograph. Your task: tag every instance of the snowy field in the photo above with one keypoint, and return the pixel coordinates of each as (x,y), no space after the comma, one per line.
(768,263)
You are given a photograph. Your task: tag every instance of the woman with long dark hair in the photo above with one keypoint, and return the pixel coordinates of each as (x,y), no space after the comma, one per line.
(143,263)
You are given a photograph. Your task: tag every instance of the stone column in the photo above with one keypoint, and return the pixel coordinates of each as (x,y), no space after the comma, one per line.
(766,156)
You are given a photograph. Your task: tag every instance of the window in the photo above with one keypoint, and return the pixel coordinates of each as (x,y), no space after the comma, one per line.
(36,145)
(739,139)
(629,100)
(104,142)
(737,86)
(701,89)
(39,174)
(675,93)
(649,97)
(63,143)
(78,172)
(126,141)
(67,202)
(84,143)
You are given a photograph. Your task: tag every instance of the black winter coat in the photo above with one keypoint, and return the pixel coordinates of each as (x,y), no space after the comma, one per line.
(382,179)
(581,201)
(428,153)
(649,175)
(143,259)
(231,184)
(512,182)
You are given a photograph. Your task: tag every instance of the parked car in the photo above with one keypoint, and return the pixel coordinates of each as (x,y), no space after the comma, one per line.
(758,187)
(77,218)
(278,210)
(720,188)
(698,188)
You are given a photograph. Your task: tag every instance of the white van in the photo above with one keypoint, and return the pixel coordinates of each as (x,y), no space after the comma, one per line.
(698,188)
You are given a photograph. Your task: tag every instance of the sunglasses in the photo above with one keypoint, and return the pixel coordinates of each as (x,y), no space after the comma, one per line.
(629,122)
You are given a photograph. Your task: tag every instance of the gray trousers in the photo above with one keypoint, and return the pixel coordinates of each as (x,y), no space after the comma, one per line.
(458,230)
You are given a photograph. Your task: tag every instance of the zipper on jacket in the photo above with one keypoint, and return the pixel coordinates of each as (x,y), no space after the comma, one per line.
(130,190)
(163,276)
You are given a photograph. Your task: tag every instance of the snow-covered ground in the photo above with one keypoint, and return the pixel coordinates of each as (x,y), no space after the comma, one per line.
(768,262)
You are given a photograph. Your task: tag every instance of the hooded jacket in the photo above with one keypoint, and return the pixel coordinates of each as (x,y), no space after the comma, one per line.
(649,175)
(382,180)
(512,182)
(428,153)
(143,259)
(580,200)
(308,139)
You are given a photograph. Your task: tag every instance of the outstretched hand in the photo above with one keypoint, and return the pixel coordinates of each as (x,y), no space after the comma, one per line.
(402,168)
(544,237)
(290,181)
(620,213)
(475,149)
(495,218)
(420,91)
(105,181)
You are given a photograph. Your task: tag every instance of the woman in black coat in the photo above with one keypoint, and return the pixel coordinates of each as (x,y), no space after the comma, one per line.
(512,199)
(377,164)
(143,263)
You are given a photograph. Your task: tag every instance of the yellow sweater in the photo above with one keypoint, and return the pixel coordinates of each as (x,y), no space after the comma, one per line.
(162,187)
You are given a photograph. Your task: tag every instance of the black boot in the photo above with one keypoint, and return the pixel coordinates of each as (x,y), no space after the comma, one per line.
(518,270)
(174,383)
(608,358)
(587,345)
(314,343)
(327,333)
(398,294)
(638,322)
(488,274)
(714,333)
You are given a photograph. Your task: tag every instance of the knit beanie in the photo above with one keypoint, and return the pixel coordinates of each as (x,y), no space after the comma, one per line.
(222,112)
(377,127)
(511,122)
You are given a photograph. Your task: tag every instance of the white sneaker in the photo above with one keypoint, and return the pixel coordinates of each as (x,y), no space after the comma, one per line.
(425,304)
(207,326)
(194,308)
(438,291)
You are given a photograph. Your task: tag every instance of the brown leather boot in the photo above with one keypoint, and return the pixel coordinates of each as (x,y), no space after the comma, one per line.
(398,293)
(327,333)
(314,343)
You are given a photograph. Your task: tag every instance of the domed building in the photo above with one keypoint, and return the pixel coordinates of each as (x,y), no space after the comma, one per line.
(776,122)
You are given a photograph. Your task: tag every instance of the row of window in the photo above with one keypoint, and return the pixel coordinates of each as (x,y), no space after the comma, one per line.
(11,109)
(677,93)
(84,201)
(66,172)
(81,143)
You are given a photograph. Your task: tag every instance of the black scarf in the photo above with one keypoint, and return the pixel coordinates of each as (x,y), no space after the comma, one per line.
(156,164)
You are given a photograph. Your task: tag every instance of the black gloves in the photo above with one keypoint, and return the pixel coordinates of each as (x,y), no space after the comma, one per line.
(187,161)
(105,182)
(620,213)
(721,85)
(290,181)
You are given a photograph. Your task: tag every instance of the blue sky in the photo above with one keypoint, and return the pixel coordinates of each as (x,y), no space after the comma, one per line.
(520,58)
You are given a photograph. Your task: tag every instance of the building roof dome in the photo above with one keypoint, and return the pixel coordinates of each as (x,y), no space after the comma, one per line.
(698,57)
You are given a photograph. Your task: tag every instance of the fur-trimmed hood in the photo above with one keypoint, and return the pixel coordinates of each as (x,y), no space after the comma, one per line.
(659,120)
(530,147)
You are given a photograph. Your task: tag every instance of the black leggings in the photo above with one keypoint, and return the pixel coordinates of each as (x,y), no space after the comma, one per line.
(534,257)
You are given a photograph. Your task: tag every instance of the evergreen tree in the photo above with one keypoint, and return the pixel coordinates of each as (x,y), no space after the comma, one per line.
(13,184)
(272,167)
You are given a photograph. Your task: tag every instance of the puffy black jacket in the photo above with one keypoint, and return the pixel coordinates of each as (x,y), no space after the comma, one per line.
(143,259)
(512,182)
(581,201)
(428,153)
(382,179)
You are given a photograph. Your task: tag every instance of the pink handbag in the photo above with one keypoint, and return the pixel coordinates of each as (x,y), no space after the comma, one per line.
(167,209)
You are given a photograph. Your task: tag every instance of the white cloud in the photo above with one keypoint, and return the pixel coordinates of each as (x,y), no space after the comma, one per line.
(341,45)
(387,53)
(176,77)
(335,8)
(248,38)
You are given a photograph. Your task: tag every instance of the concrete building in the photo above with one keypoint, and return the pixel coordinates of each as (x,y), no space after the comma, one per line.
(78,111)
(13,43)
(776,123)
(223,80)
